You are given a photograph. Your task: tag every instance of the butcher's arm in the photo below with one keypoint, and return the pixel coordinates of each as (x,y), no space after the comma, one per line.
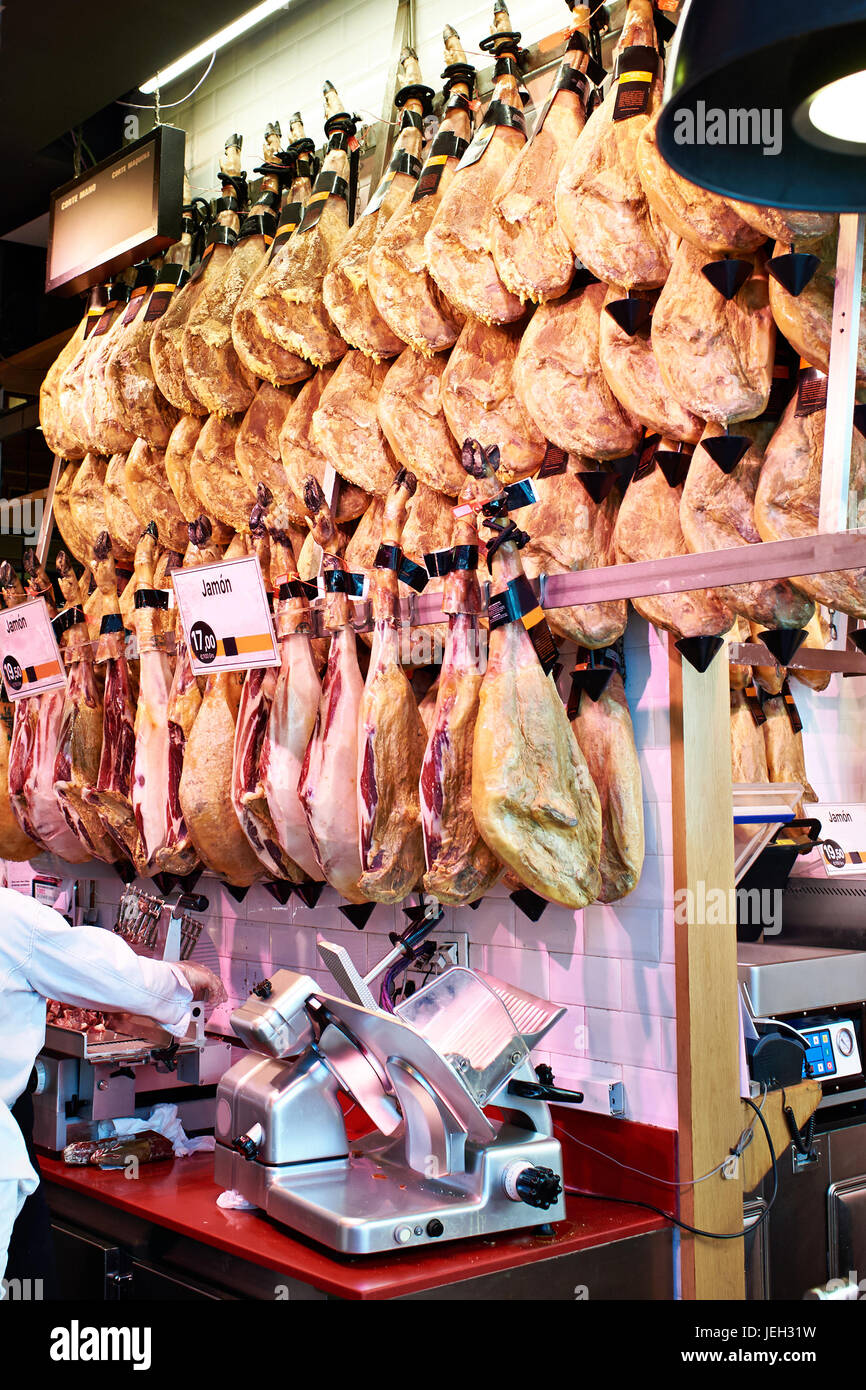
(94,969)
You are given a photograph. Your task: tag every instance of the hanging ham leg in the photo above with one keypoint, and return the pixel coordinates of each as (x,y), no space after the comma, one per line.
(329,775)
(603,729)
(459,240)
(532,796)
(55,431)
(391,737)
(111,797)
(249,764)
(79,740)
(296,698)
(460,867)
(398,278)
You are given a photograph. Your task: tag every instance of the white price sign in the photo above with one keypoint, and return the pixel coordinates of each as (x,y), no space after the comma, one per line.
(843,830)
(225,616)
(29,655)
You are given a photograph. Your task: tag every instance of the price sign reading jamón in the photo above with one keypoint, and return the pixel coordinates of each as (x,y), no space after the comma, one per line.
(29,656)
(225,616)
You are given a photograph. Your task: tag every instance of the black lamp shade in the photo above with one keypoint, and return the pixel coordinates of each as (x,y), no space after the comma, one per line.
(769,58)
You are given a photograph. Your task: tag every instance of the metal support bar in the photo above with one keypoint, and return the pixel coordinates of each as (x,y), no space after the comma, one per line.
(404,27)
(835,512)
(48,512)
(850,662)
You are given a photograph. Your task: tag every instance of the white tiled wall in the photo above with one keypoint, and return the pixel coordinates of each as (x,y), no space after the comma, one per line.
(280,67)
(611,967)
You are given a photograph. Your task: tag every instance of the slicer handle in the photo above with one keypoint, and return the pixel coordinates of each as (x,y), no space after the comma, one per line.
(543,1090)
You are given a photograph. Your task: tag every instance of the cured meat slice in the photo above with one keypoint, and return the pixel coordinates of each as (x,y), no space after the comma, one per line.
(111,794)
(479,397)
(55,431)
(788,498)
(748,749)
(806,319)
(302,459)
(706,219)
(35,727)
(79,738)
(166,345)
(632,373)
(458,243)
(409,410)
(532,796)
(391,736)
(150,496)
(259,354)
(717,512)
(257,448)
(344,289)
(604,730)
(559,382)
(648,528)
(345,425)
(249,762)
(214,373)
(460,867)
(328,785)
(178,463)
(601,205)
(296,697)
(532,255)
(715,354)
(569,531)
(287,301)
(222,491)
(131,386)
(403,290)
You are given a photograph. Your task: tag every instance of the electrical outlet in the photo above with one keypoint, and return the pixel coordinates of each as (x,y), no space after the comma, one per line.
(452,948)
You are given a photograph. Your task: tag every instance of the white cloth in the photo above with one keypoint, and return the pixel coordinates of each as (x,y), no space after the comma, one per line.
(42,957)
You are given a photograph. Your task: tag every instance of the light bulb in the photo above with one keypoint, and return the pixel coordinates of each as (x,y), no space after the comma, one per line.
(835,115)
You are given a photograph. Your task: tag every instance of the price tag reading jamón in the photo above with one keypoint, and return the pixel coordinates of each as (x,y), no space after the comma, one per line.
(225,616)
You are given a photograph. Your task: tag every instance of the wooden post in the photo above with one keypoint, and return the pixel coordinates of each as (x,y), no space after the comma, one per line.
(706,974)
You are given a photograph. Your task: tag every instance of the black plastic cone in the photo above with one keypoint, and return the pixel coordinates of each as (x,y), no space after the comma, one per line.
(626,467)
(674,465)
(794,270)
(280,890)
(188,881)
(858,637)
(598,485)
(530,904)
(124,870)
(726,450)
(592,682)
(629,314)
(474,906)
(728,276)
(358,914)
(783,642)
(699,651)
(165,882)
(237,893)
(309,891)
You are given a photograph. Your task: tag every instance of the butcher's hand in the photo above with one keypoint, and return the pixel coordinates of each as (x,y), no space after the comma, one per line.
(205,986)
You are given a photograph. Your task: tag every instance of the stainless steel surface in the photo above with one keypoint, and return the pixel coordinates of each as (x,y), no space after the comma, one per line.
(846,1227)
(837,508)
(434,1170)
(783,979)
(346,974)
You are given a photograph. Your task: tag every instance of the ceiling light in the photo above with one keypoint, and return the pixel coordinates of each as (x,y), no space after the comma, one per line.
(767,102)
(205,50)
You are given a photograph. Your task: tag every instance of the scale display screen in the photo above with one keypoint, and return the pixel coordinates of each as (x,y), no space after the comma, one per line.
(820,1055)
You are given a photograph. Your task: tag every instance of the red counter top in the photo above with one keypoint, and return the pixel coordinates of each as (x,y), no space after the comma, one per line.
(182,1197)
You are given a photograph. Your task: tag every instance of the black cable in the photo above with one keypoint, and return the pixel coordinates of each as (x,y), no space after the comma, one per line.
(684,1225)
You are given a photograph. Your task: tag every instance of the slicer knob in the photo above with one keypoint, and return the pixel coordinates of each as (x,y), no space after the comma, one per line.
(537,1187)
(264,989)
(247,1145)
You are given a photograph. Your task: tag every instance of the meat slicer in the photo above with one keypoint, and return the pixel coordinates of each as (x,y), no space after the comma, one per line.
(435,1165)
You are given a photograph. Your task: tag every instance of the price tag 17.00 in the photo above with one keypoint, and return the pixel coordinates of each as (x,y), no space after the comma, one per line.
(225,616)
(29,656)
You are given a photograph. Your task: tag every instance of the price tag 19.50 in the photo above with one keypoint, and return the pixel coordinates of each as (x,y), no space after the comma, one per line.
(225,616)
(29,655)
